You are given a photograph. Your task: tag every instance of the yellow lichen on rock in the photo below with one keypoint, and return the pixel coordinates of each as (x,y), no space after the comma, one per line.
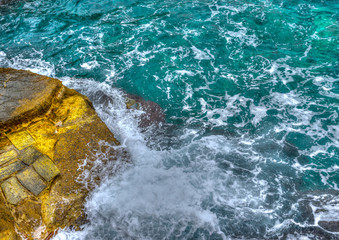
(7,156)
(31,180)
(46,168)
(60,210)
(13,191)
(9,234)
(7,228)
(28,217)
(45,135)
(79,107)
(5,145)
(29,155)
(11,168)
(21,139)
(41,152)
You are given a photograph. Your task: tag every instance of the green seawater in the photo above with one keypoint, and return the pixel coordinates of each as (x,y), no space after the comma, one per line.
(250,89)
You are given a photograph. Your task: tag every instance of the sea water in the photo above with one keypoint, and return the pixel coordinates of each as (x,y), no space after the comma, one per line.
(250,145)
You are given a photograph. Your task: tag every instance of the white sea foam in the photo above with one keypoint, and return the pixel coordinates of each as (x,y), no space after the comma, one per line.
(325,208)
(185,72)
(285,98)
(170,187)
(150,191)
(259,113)
(217,183)
(199,54)
(36,65)
(161,185)
(90,65)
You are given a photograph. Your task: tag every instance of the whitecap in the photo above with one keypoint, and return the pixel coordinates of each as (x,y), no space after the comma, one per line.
(90,65)
(199,54)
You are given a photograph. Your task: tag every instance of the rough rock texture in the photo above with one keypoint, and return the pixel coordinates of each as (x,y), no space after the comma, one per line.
(7,228)
(330,226)
(46,131)
(24,96)
(154,115)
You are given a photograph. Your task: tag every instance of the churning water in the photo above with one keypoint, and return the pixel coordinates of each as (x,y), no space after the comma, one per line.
(250,89)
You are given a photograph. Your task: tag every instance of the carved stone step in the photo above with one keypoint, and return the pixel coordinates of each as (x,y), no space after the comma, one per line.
(7,156)
(46,168)
(31,180)
(13,191)
(29,155)
(21,139)
(10,169)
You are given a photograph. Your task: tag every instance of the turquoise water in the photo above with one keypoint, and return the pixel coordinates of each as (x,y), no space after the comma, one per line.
(250,89)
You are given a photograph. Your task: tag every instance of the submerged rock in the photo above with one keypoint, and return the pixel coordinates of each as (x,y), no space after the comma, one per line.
(46,130)
(332,226)
(154,115)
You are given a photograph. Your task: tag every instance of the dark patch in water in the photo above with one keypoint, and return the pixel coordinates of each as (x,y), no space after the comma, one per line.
(154,115)
(330,226)
(290,150)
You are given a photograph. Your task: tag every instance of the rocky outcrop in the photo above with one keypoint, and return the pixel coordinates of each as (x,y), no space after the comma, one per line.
(332,226)
(47,130)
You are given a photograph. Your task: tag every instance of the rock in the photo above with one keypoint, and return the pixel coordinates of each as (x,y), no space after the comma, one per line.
(21,139)
(46,168)
(27,217)
(24,95)
(8,170)
(7,156)
(46,131)
(31,180)
(13,190)
(5,144)
(332,226)
(154,115)
(290,150)
(4,2)
(29,155)
(7,228)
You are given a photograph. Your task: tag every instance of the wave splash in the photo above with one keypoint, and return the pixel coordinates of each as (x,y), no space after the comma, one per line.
(250,146)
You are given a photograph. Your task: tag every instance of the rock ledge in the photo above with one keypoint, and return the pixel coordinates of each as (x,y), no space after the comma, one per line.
(46,131)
